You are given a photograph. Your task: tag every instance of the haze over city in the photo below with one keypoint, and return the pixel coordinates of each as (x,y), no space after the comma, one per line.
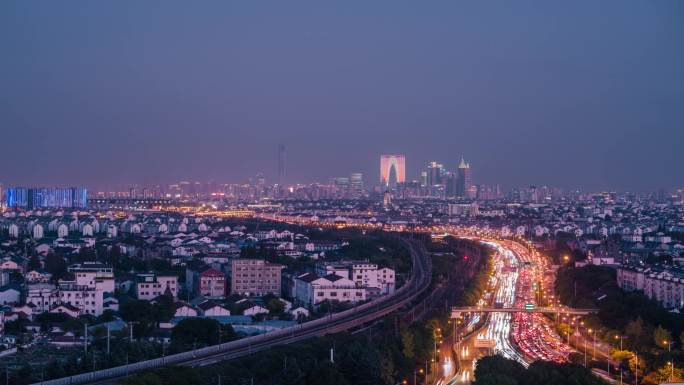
(575,94)
(342,192)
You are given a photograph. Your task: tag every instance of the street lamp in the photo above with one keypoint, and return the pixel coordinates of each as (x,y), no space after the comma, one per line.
(669,352)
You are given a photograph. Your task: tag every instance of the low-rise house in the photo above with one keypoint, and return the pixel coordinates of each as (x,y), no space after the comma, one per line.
(254,310)
(65,308)
(10,294)
(184,309)
(38,276)
(211,308)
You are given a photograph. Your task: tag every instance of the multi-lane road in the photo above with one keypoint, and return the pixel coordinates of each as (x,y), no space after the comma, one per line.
(522,336)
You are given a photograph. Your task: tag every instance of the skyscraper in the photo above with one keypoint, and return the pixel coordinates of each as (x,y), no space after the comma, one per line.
(464,179)
(435,172)
(392,166)
(356,181)
(281,164)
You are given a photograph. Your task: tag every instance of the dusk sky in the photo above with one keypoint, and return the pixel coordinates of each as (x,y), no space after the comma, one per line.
(583,94)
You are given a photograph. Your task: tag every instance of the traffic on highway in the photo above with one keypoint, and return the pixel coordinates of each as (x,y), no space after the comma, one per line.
(520,281)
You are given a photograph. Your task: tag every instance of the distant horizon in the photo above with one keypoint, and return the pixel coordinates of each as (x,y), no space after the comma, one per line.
(112,94)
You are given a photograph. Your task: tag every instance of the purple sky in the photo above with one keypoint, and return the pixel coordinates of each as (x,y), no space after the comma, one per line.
(568,93)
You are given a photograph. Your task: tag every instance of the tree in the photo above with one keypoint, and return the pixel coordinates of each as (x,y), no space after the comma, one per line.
(34,263)
(498,365)
(326,373)
(176,375)
(662,337)
(663,375)
(55,265)
(360,364)
(576,358)
(495,379)
(141,312)
(621,355)
(407,344)
(275,306)
(165,308)
(24,374)
(202,331)
(53,369)
(387,370)
(637,363)
(565,330)
(635,330)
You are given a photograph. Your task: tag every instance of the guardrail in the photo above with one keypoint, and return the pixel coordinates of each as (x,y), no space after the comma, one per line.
(418,281)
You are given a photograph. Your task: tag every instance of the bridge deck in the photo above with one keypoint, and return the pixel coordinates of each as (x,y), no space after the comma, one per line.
(549,310)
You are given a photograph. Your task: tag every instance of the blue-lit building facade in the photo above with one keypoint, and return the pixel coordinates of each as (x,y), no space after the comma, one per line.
(47,197)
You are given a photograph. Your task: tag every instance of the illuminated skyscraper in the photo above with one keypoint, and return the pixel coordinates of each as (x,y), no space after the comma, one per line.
(47,197)
(356,181)
(465,181)
(435,172)
(392,166)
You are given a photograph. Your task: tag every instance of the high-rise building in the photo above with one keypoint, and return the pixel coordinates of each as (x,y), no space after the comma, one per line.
(281,164)
(356,181)
(342,182)
(435,172)
(392,170)
(47,197)
(465,181)
(450,181)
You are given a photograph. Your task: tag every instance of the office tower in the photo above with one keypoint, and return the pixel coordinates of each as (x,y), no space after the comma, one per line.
(464,179)
(356,181)
(423,179)
(435,172)
(342,183)
(450,183)
(260,180)
(392,170)
(281,164)
(185,188)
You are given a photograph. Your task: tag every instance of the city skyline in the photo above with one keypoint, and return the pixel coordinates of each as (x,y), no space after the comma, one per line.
(528,97)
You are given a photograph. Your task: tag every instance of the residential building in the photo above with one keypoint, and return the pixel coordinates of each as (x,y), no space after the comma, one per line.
(255,277)
(310,289)
(150,285)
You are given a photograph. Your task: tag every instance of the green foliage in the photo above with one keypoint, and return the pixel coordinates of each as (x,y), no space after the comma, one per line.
(177,375)
(407,344)
(360,364)
(275,306)
(199,331)
(326,374)
(630,313)
(498,365)
(662,337)
(141,312)
(499,370)
(56,265)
